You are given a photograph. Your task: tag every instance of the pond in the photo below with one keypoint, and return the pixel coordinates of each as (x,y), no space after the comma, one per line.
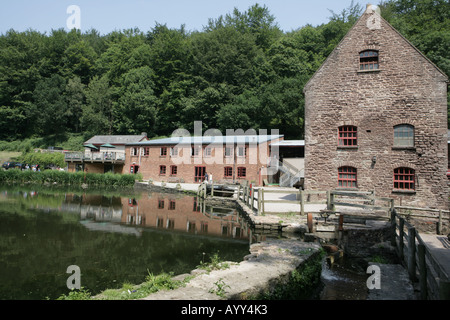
(114,238)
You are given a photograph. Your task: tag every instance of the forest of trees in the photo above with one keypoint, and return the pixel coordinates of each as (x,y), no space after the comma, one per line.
(240,71)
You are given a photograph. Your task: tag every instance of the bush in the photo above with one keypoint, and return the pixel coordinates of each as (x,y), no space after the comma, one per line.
(67,178)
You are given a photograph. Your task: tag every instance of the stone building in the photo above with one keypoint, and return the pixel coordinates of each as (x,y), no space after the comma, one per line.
(376,118)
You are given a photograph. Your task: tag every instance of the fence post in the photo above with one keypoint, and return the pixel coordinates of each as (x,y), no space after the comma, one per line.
(422,272)
(439,226)
(412,253)
(401,236)
(332,197)
(212,190)
(328,200)
(259,201)
(302,202)
(262,202)
(252,199)
(394,227)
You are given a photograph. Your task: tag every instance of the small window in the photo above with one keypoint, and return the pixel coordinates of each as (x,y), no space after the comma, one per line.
(173,170)
(208,152)
(134,151)
(172,205)
(347,177)
(162,170)
(174,151)
(146,151)
(242,172)
(404,179)
(228,151)
(242,151)
(195,151)
(228,172)
(160,204)
(348,136)
(404,135)
(368,60)
(163,151)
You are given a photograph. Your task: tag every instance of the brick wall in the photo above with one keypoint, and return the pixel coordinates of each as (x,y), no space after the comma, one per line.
(149,165)
(407,89)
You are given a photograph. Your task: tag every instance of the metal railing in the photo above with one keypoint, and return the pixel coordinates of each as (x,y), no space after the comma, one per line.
(95,156)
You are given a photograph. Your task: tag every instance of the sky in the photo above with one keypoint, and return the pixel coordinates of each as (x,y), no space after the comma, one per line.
(108,15)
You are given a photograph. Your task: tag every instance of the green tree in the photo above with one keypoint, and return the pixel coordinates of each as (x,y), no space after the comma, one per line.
(135,111)
(50,112)
(97,115)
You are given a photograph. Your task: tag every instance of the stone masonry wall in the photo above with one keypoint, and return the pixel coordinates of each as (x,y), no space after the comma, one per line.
(407,89)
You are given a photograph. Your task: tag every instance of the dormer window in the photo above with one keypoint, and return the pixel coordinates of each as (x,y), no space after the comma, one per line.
(368,60)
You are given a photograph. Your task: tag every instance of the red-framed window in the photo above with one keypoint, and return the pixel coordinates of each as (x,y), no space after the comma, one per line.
(368,60)
(404,179)
(242,172)
(348,136)
(163,152)
(162,170)
(347,177)
(228,172)
(160,204)
(173,170)
(172,204)
(146,151)
(199,174)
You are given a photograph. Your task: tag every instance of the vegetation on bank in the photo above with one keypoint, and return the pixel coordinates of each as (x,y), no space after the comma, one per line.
(68,178)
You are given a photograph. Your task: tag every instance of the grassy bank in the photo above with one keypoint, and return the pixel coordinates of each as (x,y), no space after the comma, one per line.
(67,178)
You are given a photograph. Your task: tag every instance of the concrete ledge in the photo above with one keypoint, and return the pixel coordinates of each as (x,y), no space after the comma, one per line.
(269,263)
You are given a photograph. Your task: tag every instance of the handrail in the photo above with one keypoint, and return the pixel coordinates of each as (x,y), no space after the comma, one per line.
(419,261)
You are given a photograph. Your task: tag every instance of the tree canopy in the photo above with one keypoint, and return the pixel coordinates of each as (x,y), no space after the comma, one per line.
(240,72)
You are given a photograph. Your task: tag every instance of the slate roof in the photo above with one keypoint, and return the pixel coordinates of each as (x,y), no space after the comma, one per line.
(209,140)
(115,139)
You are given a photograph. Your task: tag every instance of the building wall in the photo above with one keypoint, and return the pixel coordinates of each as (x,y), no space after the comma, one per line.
(407,89)
(149,165)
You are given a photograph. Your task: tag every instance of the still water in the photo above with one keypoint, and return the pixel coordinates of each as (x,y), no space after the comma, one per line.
(114,238)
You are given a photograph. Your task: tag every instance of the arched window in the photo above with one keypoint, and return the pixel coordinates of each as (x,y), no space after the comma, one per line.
(347,177)
(347,136)
(404,179)
(368,60)
(404,135)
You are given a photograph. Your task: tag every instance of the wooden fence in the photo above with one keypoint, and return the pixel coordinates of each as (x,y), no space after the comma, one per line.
(420,263)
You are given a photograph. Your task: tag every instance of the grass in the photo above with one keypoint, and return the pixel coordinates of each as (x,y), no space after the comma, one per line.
(153,283)
(9,156)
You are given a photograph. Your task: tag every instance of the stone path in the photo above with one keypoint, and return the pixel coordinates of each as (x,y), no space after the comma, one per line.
(268,263)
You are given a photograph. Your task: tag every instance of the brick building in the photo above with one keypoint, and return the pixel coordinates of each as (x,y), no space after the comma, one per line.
(187,159)
(376,118)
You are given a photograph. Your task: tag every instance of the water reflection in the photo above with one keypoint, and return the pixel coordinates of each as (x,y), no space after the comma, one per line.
(113,238)
(172,212)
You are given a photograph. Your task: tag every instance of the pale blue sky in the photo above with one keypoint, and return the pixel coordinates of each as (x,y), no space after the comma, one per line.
(108,15)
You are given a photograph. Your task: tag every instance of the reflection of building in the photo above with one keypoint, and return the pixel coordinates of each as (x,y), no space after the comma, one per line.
(102,154)
(183,214)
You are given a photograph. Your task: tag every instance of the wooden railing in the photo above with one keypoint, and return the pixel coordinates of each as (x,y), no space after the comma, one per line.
(422,266)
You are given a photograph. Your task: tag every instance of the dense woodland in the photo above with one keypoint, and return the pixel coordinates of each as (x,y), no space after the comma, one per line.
(240,71)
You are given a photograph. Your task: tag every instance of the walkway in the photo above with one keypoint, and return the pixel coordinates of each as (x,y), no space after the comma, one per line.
(439,246)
